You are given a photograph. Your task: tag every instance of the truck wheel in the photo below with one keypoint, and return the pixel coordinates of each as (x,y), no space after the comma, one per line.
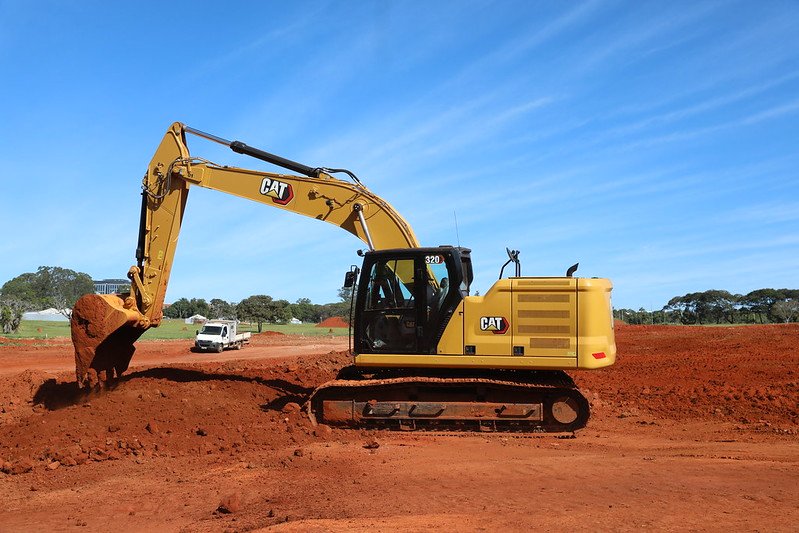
(219,349)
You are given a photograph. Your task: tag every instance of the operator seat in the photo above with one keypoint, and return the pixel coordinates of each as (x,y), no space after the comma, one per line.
(441,293)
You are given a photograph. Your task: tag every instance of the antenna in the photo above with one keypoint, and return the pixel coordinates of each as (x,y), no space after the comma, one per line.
(457,235)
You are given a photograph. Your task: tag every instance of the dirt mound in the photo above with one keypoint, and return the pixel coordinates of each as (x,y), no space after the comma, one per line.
(191,410)
(333,322)
(748,375)
(16,394)
(268,333)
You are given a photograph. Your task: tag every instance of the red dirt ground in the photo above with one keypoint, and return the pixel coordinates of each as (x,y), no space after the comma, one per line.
(693,429)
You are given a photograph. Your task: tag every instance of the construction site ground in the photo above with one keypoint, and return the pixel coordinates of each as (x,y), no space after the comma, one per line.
(694,428)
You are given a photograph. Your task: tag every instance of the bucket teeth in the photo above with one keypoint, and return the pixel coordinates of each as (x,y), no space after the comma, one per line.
(103,333)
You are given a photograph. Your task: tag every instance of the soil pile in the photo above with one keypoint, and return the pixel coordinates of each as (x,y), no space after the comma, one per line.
(213,409)
(268,333)
(17,393)
(333,322)
(748,374)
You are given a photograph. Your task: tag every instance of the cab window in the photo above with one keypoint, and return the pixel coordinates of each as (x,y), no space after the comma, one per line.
(390,285)
(438,281)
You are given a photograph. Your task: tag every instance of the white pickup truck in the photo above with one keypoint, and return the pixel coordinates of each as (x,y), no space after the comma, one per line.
(218,335)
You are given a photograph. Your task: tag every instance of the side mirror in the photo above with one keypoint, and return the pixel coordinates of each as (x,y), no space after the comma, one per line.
(349,278)
(197,332)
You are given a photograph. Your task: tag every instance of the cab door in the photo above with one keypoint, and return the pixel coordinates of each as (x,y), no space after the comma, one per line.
(439,294)
(390,307)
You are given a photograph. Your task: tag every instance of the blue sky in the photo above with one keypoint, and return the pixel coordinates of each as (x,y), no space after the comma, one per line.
(657,143)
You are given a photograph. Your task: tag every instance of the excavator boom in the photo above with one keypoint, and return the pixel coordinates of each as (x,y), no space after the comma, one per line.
(104,327)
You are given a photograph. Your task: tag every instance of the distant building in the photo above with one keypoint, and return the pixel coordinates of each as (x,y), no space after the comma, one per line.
(196,319)
(110,286)
(51,314)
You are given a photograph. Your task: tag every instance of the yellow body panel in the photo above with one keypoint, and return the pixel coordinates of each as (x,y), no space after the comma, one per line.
(465,361)
(451,342)
(495,302)
(544,316)
(553,323)
(595,324)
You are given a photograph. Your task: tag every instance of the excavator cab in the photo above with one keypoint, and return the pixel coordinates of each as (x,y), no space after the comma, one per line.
(407,296)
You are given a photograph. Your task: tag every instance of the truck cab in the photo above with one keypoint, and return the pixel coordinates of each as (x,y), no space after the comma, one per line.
(217,335)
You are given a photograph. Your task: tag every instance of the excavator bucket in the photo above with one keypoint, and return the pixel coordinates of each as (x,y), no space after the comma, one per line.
(104,328)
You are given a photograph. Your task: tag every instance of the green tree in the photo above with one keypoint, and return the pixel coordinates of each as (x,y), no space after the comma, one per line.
(304,310)
(630,316)
(759,303)
(340,308)
(26,288)
(720,305)
(10,315)
(704,307)
(184,308)
(280,312)
(346,294)
(262,308)
(682,309)
(49,287)
(786,310)
(177,309)
(221,309)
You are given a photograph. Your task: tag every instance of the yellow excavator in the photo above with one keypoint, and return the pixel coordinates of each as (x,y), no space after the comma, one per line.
(426,353)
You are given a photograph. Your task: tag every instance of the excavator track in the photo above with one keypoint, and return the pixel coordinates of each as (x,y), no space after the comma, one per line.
(540,402)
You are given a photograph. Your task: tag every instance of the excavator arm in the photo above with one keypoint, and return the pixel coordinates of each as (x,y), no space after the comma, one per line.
(104,327)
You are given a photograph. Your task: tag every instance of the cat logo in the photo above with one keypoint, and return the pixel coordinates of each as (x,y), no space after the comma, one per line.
(495,324)
(281,192)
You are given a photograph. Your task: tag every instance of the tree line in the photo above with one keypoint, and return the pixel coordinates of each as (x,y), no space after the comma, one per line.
(61,287)
(261,309)
(761,306)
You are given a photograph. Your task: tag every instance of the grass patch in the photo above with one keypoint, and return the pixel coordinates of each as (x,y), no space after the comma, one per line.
(178,329)
(307,330)
(169,329)
(40,329)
